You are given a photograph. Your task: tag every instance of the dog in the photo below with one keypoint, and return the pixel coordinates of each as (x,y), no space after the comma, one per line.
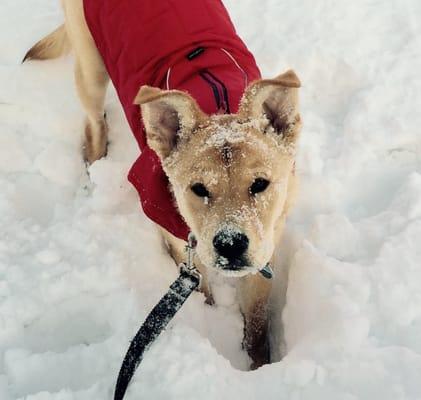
(218,142)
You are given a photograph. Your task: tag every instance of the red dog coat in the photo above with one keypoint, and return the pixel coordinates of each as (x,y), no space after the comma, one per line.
(189,45)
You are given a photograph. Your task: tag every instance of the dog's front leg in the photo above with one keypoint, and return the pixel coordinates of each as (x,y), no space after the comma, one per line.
(253,293)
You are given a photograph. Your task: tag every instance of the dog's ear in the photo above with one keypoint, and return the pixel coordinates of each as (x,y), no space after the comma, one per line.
(277,100)
(169,116)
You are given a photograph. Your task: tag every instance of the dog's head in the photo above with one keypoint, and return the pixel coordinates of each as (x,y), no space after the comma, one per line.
(230,174)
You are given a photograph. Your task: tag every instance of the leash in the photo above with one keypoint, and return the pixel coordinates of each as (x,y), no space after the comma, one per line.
(188,280)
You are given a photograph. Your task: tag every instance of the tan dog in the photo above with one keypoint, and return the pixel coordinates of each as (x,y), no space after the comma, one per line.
(232,175)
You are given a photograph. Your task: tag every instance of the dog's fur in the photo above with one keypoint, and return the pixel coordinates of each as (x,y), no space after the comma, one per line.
(225,153)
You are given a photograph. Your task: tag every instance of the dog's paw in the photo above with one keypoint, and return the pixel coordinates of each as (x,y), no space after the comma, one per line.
(209,300)
(96,142)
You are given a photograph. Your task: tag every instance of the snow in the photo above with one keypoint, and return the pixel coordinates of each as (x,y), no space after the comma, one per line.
(81,266)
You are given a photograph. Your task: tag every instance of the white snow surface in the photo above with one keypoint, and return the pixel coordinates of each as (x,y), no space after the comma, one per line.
(81,266)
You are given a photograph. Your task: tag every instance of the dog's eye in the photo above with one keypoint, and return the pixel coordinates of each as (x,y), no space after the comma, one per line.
(199,189)
(259,185)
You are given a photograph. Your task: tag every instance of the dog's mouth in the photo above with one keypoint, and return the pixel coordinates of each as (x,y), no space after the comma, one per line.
(234,267)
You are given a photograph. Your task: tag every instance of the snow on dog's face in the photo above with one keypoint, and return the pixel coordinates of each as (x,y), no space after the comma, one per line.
(231,174)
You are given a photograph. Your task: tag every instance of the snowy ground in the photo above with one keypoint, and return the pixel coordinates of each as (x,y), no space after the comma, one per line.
(80,266)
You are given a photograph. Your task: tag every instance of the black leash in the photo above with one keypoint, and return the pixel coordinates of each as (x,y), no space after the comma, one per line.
(158,318)
(162,313)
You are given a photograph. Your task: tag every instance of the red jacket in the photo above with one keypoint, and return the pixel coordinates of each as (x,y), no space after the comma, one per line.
(189,45)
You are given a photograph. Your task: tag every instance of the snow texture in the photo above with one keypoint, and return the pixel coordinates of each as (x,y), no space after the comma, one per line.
(81,266)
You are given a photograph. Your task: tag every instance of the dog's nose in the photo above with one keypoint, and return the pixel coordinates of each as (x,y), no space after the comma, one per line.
(231,245)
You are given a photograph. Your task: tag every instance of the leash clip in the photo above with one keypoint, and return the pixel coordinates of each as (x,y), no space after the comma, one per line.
(189,267)
(190,249)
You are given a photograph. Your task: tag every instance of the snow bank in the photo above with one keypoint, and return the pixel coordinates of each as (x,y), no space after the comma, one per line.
(80,266)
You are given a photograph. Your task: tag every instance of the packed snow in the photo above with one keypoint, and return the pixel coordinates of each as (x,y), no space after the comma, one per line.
(81,266)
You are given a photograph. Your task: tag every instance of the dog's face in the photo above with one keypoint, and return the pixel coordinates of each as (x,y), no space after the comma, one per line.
(230,174)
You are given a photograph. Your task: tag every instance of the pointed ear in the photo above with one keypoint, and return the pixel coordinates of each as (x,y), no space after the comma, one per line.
(169,116)
(277,100)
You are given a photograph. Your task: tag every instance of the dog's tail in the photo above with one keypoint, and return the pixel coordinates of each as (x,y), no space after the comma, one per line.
(54,45)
